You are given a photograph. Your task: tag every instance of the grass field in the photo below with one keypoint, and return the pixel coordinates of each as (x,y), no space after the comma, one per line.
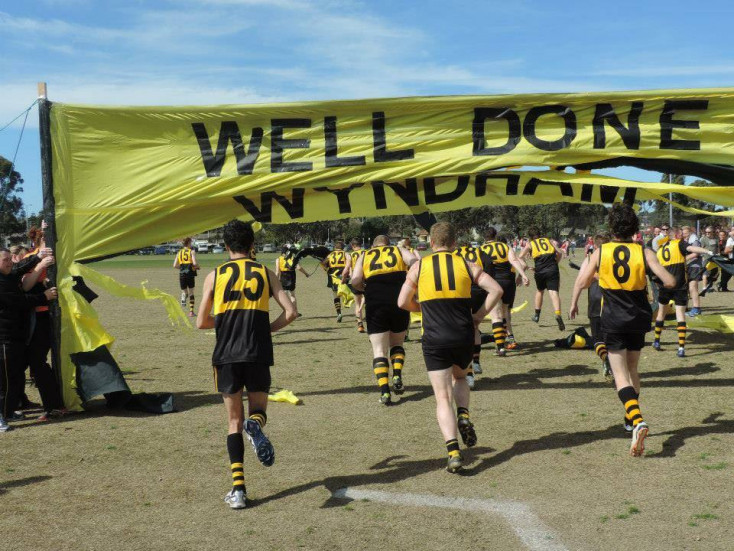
(551,469)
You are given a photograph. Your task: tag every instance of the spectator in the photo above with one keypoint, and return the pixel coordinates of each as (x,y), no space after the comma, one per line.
(729,253)
(14,305)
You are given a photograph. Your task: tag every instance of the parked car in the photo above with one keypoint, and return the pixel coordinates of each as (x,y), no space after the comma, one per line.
(202,248)
(160,249)
(268,248)
(421,246)
(217,249)
(146,250)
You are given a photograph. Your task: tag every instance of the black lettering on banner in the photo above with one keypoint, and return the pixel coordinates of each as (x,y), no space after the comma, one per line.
(408,193)
(230,294)
(432,197)
(629,195)
(630,135)
(342,196)
(332,158)
(532,186)
(481,115)
(608,194)
(621,267)
(228,132)
(586,192)
(381,154)
(278,144)
(668,124)
(569,122)
(294,206)
(480,183)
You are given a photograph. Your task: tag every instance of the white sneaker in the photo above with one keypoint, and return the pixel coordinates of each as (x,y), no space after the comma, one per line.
(639,433)
(476,368)
(470,381)
(4,427)
(236,499)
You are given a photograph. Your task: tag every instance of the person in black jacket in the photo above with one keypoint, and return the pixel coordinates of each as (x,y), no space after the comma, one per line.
(14,305)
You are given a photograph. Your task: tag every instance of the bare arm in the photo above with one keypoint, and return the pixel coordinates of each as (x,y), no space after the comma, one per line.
(289,312)
(663,275)
(204,319)
(194,263)
(406,300)
(697,250)
(519,265)
(524,252)
(357,280)
(175,261)
(30,279)
(303,271)
(408,257)
(486,282)
(277,267)
(347,267)
(578,285)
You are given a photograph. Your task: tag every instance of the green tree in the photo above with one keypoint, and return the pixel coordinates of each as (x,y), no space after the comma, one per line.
(11,205)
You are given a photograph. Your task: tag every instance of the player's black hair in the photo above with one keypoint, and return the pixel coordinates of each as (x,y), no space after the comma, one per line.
(623,222)
(533,232)
(238,236)
(490,234)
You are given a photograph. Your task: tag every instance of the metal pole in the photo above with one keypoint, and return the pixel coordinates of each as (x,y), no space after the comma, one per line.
(670,204)
(49,208)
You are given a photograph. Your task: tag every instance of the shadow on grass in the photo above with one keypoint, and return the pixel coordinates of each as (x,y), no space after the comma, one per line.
(677,438)
(5,486)
(396,468)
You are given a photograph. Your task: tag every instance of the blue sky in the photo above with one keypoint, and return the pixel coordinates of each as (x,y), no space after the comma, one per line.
(244,51)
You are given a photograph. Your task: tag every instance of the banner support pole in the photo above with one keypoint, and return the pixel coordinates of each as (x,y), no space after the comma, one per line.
(49,210)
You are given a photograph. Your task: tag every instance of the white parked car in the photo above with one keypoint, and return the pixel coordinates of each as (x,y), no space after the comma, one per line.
(268,248)
(217,249)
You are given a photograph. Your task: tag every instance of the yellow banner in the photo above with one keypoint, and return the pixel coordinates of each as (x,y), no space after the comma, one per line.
(127,177)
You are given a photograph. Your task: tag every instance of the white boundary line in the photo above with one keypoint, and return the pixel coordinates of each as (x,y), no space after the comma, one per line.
(526,524)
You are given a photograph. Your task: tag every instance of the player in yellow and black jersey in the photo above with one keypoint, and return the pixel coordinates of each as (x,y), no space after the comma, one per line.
(507,270)
(334,265)
(236,304)
(443,281)
(185,261)
(478,295)
(546,255)
(380,272)
(352,258)
(285,271)
(672,256)
(626,314)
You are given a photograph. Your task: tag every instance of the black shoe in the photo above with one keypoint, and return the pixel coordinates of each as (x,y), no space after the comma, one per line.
(561,325)
(466,430)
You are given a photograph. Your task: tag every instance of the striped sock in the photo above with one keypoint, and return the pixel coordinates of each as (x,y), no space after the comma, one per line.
(236,450)
(681,334)
(260,416)
(397,358)
(601,350)
(452,446)
(658,330)
(338,305)
(557,313)
(630,399)
(498,331)
(477,353)
(462,413)
(191,303)
(381,367)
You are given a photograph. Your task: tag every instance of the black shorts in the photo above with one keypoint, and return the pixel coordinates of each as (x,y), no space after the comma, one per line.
(288,281)
(597,334)
(437,359)
(381,318)
(330,281)
(680,297)
(232,378)
(509,288)
(187,281)
(547,280)
(695,273)
(478,296)
(625,341)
